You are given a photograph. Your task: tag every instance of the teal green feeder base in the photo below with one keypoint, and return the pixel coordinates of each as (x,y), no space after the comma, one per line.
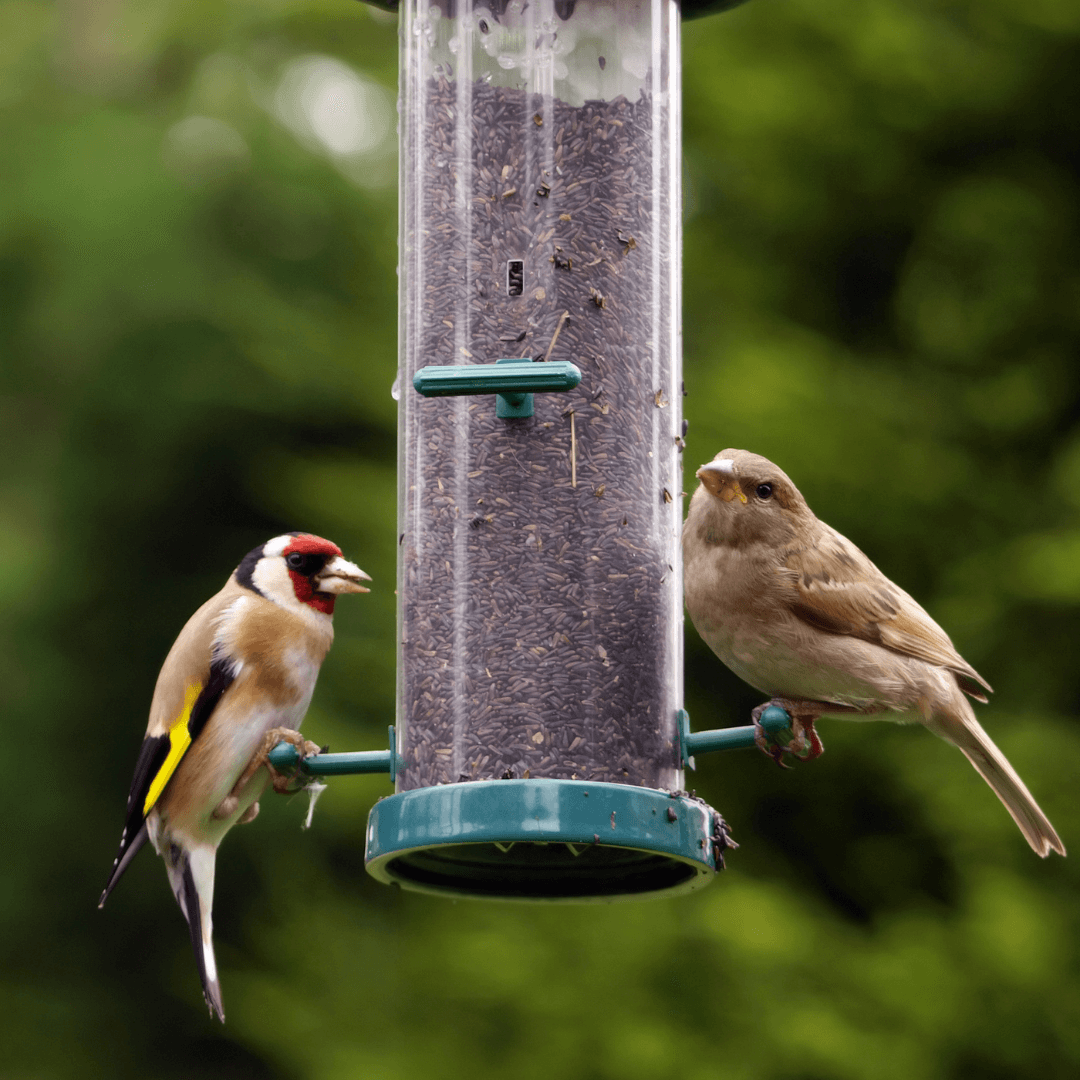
(543,840)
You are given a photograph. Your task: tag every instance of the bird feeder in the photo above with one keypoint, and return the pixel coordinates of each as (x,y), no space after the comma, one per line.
(540,739)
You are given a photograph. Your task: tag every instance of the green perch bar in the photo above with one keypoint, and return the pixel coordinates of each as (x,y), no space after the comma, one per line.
(286,758)
(513,381)
(774,721)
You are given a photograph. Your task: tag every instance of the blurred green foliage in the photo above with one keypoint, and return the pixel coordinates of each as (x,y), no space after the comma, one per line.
(197,344)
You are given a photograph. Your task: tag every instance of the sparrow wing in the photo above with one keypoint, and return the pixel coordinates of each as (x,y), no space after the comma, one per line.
(191,684)
(834,587)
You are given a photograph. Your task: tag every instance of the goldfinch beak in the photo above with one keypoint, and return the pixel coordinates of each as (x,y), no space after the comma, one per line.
(341,576)
(719,479)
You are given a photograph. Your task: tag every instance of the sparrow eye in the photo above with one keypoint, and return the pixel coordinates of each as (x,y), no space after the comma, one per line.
(764,491)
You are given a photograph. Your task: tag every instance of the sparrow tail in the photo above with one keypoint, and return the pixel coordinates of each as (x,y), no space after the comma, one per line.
(191,874)
(992,765)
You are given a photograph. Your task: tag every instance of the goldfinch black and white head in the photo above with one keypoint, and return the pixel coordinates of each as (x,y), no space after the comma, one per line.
(299,568)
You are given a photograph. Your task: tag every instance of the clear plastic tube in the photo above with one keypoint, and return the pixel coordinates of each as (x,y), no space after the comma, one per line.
(540,601)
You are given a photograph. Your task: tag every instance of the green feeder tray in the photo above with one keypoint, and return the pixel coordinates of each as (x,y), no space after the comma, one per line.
(542,840)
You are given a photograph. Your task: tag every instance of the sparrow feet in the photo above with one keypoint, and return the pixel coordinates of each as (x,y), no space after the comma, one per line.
(802,742)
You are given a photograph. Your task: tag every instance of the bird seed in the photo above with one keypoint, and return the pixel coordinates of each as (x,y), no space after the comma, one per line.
(540,617)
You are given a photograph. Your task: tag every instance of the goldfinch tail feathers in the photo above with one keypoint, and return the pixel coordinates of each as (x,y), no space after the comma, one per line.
(191,874)
(152,755)
(128,851)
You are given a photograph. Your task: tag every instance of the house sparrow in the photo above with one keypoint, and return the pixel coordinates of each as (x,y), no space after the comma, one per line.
(800,613)
(237,681)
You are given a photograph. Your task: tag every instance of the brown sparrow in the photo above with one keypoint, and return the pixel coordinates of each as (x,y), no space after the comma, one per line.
(800,613)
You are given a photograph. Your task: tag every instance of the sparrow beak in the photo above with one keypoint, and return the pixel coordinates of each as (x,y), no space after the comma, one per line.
(341,576)
(719,478)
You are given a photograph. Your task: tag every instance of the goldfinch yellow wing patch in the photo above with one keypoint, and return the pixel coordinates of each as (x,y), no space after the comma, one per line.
(160,755)
(179,741)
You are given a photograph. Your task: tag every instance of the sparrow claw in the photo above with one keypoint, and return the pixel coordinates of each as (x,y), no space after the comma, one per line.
(802,742)
(814,746)
(763,739)
(771,749)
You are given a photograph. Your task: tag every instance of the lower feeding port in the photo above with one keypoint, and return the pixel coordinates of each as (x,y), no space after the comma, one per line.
(544,840)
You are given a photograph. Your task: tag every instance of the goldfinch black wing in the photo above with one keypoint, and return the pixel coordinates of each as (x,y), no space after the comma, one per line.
(191,683)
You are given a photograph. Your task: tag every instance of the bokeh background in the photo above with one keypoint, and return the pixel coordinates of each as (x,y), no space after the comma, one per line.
(197,345)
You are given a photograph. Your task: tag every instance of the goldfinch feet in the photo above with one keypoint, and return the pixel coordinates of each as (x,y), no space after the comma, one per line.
(249,815)
(227,807)
(803,742)
(281,781)
(285,783)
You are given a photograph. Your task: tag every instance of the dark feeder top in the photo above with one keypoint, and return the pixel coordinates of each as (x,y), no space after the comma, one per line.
(689,9)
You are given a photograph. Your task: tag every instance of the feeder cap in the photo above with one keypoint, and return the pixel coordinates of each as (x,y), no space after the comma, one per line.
(694,9)
(691,9)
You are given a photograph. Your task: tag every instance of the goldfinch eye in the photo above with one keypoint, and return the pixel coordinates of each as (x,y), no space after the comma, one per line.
(764,491)
(295,561)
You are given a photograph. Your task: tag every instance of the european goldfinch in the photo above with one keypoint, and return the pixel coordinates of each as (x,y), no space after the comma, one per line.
(799,612)
(237,681)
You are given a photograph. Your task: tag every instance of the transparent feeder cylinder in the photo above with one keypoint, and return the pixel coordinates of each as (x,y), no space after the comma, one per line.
(540,598)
